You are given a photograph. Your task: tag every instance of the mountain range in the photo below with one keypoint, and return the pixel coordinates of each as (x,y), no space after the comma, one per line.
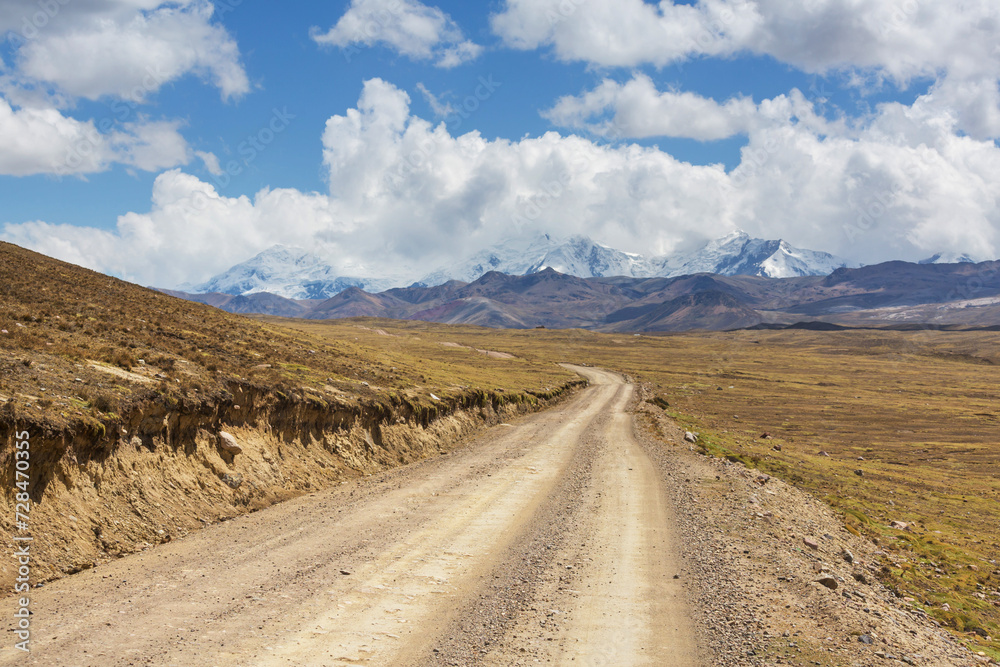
(896,294)
(733,282)
(295,273)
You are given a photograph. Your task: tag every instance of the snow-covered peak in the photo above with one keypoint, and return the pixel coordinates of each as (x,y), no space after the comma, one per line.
(789,262)
(288,271)
(582,257)
(735,236)
(299,274)
(949,258)
(577,255)
(738,253)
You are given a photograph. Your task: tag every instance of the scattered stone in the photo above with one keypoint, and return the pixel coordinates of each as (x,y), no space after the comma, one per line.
(866,639)
(232,480)
(829,582)
(899,525)
(228,443)
(861,458)
(860,578)
(777,448)
(690,437)
(848,556)
(859,472)
(766,436)
(809,543)
(823,453)
(763,479)
(345,572)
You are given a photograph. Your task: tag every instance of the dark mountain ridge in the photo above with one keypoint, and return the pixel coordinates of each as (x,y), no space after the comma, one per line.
(888,294)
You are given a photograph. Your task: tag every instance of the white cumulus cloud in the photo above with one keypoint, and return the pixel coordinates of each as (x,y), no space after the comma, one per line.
(44,141)
(189,224)
(637,109)
(129,50)
(410,27)
(405,192)
(898,41)
(122,50)
(903,38)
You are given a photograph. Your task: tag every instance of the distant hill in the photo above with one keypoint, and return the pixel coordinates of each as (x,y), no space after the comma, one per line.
(709,309)
(889,294)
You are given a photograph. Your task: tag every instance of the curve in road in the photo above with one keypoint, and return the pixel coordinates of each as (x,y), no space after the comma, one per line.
(418,567)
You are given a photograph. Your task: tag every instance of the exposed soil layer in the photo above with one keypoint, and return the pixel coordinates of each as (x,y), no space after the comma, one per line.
(159,471)
(579,535)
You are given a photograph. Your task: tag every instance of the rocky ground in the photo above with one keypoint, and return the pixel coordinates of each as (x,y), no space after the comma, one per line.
(593,533)
(775,577)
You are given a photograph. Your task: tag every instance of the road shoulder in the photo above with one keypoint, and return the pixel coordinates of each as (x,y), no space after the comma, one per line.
(754,577)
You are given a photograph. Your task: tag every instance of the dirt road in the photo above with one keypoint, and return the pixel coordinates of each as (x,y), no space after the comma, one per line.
(545,540)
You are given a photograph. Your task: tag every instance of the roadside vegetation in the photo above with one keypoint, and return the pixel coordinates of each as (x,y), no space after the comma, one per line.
(896,430)
(78,349)
(890,428)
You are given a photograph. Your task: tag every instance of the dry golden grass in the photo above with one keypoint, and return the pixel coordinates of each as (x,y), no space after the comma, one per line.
(79,348)
(921,408)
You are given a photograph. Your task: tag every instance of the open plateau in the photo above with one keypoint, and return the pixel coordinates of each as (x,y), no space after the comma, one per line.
(210,488)
(436,333)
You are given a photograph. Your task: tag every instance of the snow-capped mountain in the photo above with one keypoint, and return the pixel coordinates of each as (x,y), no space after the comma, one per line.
(735,254)
(738,254)
(577,256)
(290,272)
(295,273)
(948,258)
(581,257)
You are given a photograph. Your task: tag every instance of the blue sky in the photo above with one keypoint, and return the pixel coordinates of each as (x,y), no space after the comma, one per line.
(868,129)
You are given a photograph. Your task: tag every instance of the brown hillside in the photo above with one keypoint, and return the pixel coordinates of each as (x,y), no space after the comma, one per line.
(125,392)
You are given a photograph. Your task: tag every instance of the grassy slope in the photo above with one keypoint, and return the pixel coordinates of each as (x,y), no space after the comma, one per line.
(921,408)
(81,347)
(122,390)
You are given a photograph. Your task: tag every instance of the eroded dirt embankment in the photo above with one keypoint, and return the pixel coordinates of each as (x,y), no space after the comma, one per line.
(162,469)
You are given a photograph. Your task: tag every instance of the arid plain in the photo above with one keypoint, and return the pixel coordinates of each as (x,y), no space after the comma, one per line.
(889,437)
